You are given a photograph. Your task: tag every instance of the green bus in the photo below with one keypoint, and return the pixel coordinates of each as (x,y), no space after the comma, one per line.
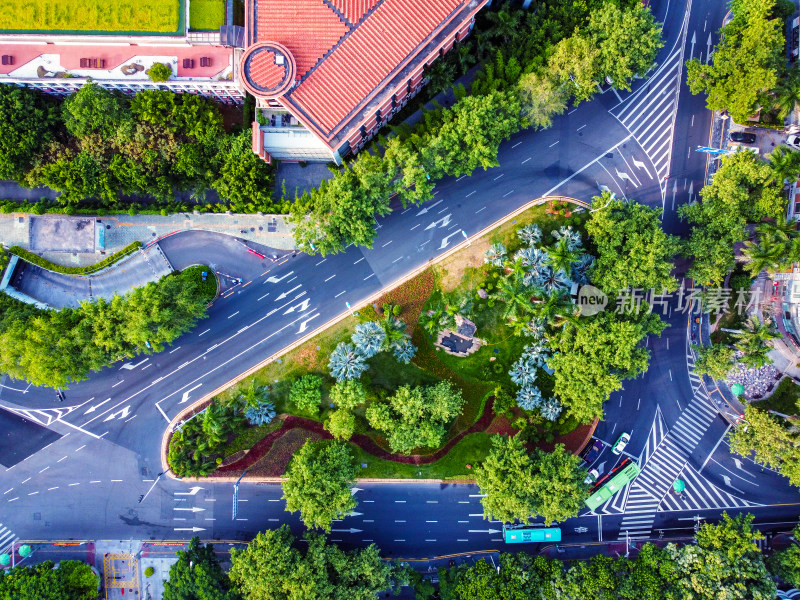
(524,534)
(622,476)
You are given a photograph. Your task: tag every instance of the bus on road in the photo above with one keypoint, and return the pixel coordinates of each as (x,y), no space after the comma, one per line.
(622,476)
(524,534)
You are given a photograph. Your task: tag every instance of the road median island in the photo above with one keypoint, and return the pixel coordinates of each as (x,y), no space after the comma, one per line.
(37,260)
(467,439)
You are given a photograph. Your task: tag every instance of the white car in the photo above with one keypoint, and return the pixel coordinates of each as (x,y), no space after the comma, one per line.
(620,444)
(591,477)
(793,141)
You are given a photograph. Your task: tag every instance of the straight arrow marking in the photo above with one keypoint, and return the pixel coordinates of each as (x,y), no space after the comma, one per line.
(284,294)
(427,208)
(96,406)
(186,393)
(274,279)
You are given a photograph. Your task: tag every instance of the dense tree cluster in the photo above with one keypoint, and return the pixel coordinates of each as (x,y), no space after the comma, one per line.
(197,575)
(744,190)
(318,483)
(272,567)
(771,440)
(72,579)
(101,145)
(519,485)
(748,61)
(56,347)
(416,417)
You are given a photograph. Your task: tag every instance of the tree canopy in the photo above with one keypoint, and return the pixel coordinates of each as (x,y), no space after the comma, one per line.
(774,443)
(416,417)
(197,575)
(519,485)
(318,483)
(271,568)
(27,119)
(632,249)
(747,61)
(592,355)
(72,579)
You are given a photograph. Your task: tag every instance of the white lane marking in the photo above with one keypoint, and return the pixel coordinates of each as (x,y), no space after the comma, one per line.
(586,166)
(508,194)
(479,210)
(118,383)
(386,244)
(81,448)
(331,277)
(174,349)
(526,160)
(320,262)
(339,294)
(553,144)
(415,226)
(517,144)
(205,332)
(365,278)
(396,259)
(470,194)
(359,260)
(233,315)
(499,176)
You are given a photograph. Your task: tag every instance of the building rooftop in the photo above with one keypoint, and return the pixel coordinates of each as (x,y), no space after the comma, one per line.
(347,52)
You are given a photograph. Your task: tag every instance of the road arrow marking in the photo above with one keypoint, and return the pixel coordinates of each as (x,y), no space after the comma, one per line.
(623,175)
(277,279)
(350,514)
(120,414)
(191,492)
(186,393)
(355,490)
(304,324)
(709,49)
(601,467)
(446,241)
(674,193)
(738,463)
(691,190)
(194,509)
(192,529)
(96,406)
(640,165)
(284,294)
(490,531)
(348,530)
(694,41)
(445,220)
(303,307)
(130,366)
(727,481)
(427,208)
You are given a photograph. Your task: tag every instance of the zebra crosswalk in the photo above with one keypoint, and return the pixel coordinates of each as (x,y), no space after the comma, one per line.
(693,422)
(700,494)
(649,114)
(658,431)
(43,416)
(7,538)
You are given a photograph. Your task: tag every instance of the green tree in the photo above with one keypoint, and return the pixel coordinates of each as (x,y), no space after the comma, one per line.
(785,163)
(485,582)
(743,191)
(348,394)
(755,342)
(27,122)
(787,93)
(786,563)
(595,578)
(774,444)
(416,417)
(518,485)
(592,356)
(271,568)
(540,99)
(632,249)
(341,424)
(244,178)
(93,109)
(72,579)
(628,40)
(747,61)
(715,361)
(306,393)
(159,72)
(725,563)
(574,66)
(197,575)
(651,575)
(318,483)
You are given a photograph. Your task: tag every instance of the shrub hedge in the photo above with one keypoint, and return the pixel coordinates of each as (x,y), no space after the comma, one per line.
(46,264)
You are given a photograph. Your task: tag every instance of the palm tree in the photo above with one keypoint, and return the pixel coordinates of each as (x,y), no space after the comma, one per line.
(394,331)
(782,228)
(769,254)
(552,279)
(785,163)
(555,308)
(505,23)
(530,234)
(551,409)
(787,94)
(533,258)
(523,372)
(755,342)
(562,256)
(495,255)
(369,338)
(573,238)
(517,298)
(405,351)
(346,362)
(529,397)
(582,267)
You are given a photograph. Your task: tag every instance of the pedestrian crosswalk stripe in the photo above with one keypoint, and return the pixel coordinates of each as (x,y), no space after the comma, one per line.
(701,494)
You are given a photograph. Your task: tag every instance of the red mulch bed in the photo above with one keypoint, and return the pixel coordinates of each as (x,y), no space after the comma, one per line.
(296,429)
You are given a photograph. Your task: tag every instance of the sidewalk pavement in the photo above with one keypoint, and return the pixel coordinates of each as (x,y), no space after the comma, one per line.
(122,230)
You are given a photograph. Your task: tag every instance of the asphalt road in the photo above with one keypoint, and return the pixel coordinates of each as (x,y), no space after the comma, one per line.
(638,144)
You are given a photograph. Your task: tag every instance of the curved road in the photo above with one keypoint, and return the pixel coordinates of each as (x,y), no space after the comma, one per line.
(86,484)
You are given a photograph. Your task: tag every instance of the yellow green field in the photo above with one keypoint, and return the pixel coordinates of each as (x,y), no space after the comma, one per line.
(206,14)
(157,16)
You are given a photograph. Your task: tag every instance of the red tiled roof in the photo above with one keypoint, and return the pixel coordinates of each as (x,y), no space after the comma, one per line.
(308,28)
(353,10)
(265,72)
(365,58)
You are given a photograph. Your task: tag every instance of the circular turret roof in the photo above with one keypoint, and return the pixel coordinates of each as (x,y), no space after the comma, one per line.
(268,69)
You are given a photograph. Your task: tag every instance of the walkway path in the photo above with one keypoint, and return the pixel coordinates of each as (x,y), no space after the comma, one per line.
(121,230)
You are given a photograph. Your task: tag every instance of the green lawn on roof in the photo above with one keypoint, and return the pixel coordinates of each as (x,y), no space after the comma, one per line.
(206,14)
(157,16)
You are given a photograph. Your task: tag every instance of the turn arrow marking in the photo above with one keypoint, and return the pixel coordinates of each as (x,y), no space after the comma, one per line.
(130,366)
(277,279)
(445,220)
(303,307)
(427,208)
(186,393)
(191,492)
(120,414)
(304,324)
(284,294)
(445,241)
(96,406)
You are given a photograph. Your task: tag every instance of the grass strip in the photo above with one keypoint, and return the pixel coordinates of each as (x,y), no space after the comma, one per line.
(35,259)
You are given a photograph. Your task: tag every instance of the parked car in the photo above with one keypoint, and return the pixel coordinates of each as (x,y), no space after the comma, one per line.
(592,476)
(743,136)
(620,444)
(592,450)
(793,141)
